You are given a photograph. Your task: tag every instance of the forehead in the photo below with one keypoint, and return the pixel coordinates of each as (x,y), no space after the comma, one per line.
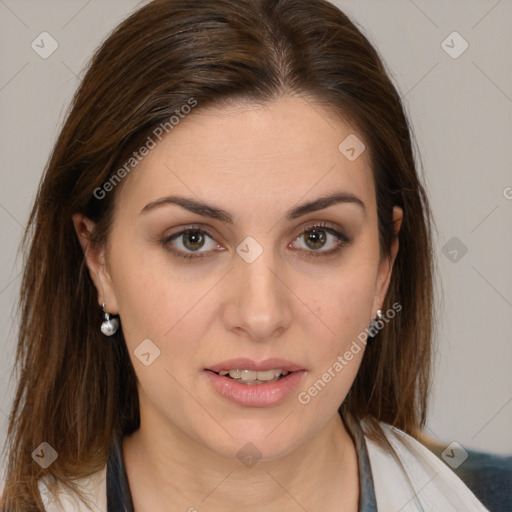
(251,156)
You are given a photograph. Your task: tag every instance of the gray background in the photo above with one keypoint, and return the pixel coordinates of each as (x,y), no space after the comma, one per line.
(461,109)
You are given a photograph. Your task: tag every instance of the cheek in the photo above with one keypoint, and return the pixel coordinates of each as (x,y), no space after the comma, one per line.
(342,307)
(170,310)
(344,301)
(151,289)
(156,305)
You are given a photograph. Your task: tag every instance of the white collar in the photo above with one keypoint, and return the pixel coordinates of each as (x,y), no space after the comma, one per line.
(427,485)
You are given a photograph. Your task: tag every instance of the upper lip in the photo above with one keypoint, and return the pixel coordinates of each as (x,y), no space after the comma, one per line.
(261,366)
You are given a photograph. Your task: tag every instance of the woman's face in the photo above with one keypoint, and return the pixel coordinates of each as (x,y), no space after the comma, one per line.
(253,285)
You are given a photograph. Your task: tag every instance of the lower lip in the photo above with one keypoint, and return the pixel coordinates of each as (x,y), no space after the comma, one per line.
(255,395)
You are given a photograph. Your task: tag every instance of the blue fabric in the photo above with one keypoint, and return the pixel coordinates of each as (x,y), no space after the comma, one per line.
(488,476)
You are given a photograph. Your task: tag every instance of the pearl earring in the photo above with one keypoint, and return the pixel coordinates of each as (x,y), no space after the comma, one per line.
(374,328)
(109,326)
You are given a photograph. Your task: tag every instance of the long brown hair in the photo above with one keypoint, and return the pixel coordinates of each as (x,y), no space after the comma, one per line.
(76,388)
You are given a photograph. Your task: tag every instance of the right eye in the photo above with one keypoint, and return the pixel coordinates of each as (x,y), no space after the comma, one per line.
(187,244)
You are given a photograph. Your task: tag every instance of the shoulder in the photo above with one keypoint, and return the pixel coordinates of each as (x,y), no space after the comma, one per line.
(416,479)
(93,487)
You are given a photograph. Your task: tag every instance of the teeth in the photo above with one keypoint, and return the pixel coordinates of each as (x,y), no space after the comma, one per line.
(251,376)
(244,375)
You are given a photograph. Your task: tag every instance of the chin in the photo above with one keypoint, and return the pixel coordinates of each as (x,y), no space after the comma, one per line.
(262,440)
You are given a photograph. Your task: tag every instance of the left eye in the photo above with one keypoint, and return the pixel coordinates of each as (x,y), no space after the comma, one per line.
(317,237)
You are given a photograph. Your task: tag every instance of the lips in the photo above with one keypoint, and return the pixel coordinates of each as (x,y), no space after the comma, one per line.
(247,394)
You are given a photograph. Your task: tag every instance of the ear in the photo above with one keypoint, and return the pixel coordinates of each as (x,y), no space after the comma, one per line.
(386,263)
(95,259)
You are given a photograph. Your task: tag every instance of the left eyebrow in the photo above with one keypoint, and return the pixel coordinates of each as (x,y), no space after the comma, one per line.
(324,202)
(206,210)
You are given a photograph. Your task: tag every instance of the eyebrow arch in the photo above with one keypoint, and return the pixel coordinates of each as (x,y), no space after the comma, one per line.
(205,210)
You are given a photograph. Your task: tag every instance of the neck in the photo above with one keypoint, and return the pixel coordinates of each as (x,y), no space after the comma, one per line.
(166,467)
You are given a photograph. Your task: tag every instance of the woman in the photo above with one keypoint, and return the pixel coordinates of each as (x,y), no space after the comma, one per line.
(227,301)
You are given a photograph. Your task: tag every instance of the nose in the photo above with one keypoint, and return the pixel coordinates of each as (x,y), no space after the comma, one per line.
(257,298)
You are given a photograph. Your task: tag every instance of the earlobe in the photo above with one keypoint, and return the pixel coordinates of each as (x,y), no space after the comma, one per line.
(95,260)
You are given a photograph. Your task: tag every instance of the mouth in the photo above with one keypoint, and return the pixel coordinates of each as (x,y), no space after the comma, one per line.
(253,384)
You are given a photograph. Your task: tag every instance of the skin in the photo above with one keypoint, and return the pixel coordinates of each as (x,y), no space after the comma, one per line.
(256,163)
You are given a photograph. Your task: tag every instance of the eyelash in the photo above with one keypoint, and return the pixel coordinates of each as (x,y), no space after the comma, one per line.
(343,240)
